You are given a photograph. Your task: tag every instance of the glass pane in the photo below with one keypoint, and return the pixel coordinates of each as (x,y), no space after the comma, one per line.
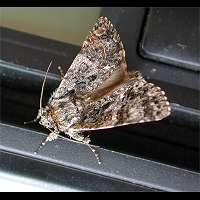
(66,24)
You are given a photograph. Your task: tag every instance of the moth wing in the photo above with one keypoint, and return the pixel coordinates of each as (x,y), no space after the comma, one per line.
(134,101)
(99,64)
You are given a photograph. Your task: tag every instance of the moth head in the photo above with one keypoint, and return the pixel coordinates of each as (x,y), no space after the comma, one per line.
(45,117)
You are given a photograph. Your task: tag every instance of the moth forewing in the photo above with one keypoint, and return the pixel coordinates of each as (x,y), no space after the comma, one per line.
(97,91)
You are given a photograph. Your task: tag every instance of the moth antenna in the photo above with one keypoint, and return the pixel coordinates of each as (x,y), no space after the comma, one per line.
(42,90)
(41,95)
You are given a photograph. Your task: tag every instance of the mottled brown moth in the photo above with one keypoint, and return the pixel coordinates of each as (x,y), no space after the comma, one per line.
(98,92)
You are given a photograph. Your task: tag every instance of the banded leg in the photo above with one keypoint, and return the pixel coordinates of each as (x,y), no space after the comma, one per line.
(52,136)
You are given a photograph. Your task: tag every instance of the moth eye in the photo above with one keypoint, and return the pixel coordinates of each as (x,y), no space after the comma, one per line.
(92,78)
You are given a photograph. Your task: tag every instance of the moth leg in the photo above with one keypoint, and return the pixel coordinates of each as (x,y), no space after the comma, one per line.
(84,140)
(62,75)
(92,149)
(52,136)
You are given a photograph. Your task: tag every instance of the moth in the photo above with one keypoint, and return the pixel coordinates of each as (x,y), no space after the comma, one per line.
(98,92)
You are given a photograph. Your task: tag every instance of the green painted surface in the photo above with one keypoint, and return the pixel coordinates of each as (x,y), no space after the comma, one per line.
(67,24)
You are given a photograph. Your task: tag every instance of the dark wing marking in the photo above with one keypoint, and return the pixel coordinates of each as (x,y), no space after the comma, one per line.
(99,64)
(134,101)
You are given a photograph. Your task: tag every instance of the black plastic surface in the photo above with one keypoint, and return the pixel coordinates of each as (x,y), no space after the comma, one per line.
(172,36)
(62,177)
(67,154)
